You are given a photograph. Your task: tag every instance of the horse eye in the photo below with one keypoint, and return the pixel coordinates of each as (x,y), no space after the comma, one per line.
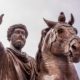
(74,47)
(60,30)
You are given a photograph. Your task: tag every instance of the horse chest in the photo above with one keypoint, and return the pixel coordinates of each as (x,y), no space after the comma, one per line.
(54,64)
(57,68)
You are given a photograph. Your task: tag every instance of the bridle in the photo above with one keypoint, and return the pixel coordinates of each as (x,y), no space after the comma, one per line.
(52,35)
(70,44)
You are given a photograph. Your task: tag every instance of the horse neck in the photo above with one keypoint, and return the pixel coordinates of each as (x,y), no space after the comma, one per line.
(48,56)
(52,61)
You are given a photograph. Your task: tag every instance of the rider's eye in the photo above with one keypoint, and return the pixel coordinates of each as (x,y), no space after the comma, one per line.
(60,30)
(17,32)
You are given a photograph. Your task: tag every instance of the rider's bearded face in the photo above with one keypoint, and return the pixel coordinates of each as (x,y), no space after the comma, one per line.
(18,38)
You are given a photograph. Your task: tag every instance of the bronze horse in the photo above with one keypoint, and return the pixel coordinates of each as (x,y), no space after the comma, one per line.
(58,49)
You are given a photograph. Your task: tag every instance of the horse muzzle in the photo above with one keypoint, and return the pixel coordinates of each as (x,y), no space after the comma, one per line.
(74,50)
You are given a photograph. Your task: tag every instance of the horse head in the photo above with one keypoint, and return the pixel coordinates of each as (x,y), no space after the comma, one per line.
(61,38)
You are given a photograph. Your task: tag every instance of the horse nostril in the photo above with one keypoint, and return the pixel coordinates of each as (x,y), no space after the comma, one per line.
(71,55)
(74,47)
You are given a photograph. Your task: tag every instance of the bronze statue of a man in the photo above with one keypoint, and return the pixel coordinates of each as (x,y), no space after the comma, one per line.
(15,64)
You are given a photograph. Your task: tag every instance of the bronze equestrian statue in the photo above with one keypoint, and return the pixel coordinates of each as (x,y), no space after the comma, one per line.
(59,48)
(14,63)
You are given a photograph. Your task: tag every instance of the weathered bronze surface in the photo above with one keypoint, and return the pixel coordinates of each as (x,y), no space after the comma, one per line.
(59,47)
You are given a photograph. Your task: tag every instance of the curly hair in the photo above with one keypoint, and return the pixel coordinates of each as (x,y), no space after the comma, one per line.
(13,27)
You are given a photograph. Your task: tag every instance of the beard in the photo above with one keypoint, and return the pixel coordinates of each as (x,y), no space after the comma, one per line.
(19,44)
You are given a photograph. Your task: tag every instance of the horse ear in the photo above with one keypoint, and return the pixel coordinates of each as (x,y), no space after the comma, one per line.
(71,22)
(62,17)
(49,23)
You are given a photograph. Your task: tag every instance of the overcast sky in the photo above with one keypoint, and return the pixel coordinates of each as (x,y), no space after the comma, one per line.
(31,13)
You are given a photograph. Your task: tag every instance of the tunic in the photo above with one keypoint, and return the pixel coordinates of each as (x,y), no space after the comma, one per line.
(16,66)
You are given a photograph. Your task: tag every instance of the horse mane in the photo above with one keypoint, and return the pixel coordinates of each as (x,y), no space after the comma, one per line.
(39,52)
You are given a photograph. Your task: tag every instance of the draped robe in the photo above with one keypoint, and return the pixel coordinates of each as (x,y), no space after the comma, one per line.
(16,66)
